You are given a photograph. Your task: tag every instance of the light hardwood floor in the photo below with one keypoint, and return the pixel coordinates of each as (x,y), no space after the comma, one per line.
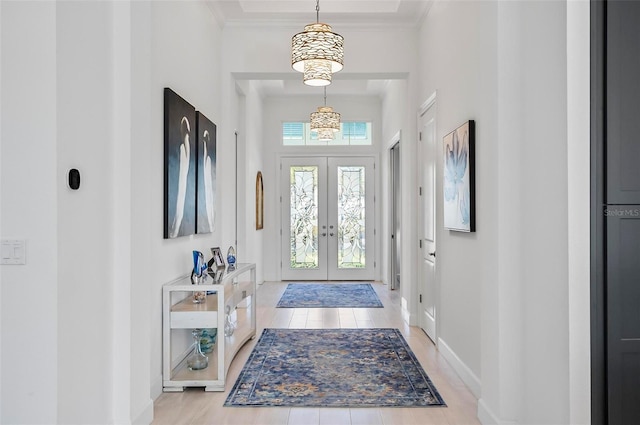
(195,406)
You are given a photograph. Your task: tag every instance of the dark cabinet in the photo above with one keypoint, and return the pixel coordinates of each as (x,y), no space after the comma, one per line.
(615,211)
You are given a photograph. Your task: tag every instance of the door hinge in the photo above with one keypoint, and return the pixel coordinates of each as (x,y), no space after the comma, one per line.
(420,243)
(420,190)
(374,264)
(420,298)
(280,232)
(420,135)
(281,166)
(374,232)
(281,199)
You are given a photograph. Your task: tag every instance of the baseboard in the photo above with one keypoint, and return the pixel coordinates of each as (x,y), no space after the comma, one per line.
(404,310)
(466,374)
(487,417)
(146,416)
(156,387)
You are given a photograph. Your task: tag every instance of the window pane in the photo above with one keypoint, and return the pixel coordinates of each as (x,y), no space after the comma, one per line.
(356,130)
(292,130)
(304,217)
(351,133)
(351,213)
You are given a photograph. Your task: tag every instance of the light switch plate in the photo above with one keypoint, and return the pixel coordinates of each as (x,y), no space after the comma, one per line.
(13,252)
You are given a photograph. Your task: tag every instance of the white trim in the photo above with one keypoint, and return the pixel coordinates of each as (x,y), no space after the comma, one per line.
(146,416)
(395,139)
(427,104)
(389,276)
(463,371)
(404,310)
(156,387)
(487,417)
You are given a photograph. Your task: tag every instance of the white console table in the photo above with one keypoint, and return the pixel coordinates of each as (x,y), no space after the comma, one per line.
(235,294)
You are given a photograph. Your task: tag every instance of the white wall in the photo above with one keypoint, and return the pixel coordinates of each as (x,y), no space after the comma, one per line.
(86,217)
(85,86)
(578,163)
(463,72)
(395,121)
(185,56)
(250,161)
(28,209)
(506,313)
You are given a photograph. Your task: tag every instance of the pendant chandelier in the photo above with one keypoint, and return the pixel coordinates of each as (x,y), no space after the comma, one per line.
(325,121)
(326,135)
(317,52)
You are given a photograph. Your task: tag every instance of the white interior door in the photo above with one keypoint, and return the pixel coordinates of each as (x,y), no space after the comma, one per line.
(428,287)
(327,218)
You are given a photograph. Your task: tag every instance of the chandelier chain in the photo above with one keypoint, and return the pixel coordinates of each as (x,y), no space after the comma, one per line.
(317,10)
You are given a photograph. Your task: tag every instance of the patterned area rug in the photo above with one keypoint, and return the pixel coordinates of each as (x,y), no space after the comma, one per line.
(333,368)
(329,295)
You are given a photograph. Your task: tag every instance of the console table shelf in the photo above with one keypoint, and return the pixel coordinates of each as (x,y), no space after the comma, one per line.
(230,298)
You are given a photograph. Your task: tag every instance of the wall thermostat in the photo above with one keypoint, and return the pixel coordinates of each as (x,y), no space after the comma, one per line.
(74,179)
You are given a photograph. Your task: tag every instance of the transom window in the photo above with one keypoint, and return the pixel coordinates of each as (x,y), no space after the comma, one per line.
(356,133)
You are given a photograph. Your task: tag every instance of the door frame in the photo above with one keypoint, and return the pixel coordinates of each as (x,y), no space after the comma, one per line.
(376,191)
(393,244)
(426,106)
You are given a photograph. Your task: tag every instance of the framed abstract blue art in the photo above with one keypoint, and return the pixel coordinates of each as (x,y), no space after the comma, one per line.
(206,181)
(459,178)
(179,166)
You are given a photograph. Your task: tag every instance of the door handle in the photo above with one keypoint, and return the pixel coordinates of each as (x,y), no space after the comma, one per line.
(330,234)
(324,234)
(433,254)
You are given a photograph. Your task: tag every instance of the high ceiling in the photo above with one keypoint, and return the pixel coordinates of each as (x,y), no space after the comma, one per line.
(297,13)
(349,12)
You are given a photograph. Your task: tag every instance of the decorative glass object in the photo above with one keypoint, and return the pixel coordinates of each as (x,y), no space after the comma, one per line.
(197,360)
(231,257)
(208,339)
(199,297)
(229,326)
(198,276)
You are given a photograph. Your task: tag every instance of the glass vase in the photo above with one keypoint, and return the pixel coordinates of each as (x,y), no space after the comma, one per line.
(229,326)
(197,360)
(208,340)
(199,296)
(231,258)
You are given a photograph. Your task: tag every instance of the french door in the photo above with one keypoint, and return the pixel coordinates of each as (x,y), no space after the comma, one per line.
(327,218)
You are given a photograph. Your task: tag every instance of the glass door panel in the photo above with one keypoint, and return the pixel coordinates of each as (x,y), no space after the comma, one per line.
(303,211)
(351,210)
(351,217)
(304,241)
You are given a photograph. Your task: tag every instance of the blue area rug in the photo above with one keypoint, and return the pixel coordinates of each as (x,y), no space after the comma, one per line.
(333,368)
(329,295)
